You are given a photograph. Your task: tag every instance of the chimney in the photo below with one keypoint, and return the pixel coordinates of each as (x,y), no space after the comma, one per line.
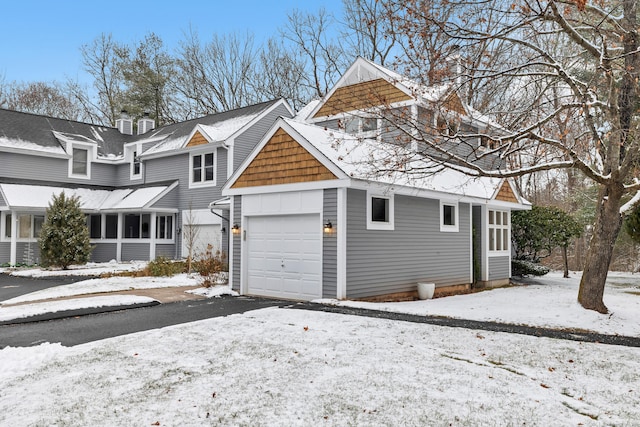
(124,123)
(145,124)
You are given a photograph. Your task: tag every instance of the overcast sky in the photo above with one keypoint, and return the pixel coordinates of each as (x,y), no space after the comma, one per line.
(41,38)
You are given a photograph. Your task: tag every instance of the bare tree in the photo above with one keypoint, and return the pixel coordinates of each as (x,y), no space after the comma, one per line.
(101,62)
(369,30)
(47,99)
(190,233)
(218,75)
(592,82)
(324,56)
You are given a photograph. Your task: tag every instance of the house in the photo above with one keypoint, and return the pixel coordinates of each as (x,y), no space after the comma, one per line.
(314,217)
(142,193)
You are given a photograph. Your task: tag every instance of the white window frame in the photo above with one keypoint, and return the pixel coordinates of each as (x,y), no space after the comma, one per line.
(134,151)
(172,228)
(359,121)
(90,149)
(141,215)
(505,230)
(202,182)
(380,225)
(450,228)
(16,216)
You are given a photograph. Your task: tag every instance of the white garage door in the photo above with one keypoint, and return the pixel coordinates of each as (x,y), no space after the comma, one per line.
(285,256)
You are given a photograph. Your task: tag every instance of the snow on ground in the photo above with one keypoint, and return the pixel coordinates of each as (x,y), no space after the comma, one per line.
(111,284)
(24,311)
(89,269)
(552,302)
(295,367)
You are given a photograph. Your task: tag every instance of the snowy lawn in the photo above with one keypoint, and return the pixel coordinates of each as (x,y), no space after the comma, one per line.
(89,269)
(550,303)
(294,367)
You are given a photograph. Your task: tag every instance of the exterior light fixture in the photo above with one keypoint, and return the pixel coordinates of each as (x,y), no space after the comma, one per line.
(327,226)
(235,229)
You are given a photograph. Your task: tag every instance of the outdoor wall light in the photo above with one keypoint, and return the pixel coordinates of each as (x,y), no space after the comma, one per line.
(327,226)
(235,229)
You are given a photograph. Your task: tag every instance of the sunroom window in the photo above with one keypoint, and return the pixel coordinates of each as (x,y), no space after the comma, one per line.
(164,227)
(136,226)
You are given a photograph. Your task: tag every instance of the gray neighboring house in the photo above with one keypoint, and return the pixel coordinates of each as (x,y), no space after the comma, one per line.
(140,192)
(312,218)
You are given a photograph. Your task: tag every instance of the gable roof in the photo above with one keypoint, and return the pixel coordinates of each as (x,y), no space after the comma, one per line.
(351,158)
(214,127)
(28,131)
(365,71)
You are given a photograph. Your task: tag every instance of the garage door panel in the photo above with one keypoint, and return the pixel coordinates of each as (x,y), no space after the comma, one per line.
(284,256)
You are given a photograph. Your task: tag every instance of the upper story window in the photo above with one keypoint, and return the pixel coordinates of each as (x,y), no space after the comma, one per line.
(366,127)
(136,165)
(203,169)
(449,217)
(498,231)
(380,212)
(80,161)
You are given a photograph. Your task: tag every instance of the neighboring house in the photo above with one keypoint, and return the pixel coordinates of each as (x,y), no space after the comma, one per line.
(313,218)
(142,193)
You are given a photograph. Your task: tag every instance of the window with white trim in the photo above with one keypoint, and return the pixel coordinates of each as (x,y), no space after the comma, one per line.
(366,127)
(202,169)
(80,162)
(136,165)
(449,216)
(380,212)
(94,224)
(498,231)
(164,227)
(28,226)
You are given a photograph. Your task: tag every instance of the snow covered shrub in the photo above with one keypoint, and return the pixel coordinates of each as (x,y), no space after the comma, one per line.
(521,267)
(64,238)
(212,268)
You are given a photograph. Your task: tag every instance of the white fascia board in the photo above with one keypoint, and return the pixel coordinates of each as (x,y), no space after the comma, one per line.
(371,111)
(283,188)
(162,194)
(29,152)
(416,192)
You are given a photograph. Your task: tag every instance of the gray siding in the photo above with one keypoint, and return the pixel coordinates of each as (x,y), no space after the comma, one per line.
(499,268)
(236,239)
(169,201)
(330,245)
(381,262)
(2,201)
(135,252)
(52,169)
(167,251)
(27,253)
(247,141)
(104,252)
(5,252)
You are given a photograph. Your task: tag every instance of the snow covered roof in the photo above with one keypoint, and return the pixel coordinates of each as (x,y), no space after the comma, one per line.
(217,127)
(23,196)
(363,159)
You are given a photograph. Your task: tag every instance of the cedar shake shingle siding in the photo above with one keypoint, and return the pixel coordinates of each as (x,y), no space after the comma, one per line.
(361,96)
(197,139)
(506,193)
(282,161)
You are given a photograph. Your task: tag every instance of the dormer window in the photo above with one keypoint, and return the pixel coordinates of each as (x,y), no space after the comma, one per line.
(80,161)
(366,127)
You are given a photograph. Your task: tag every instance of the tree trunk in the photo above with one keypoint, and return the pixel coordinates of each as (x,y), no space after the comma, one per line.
(605,231)
(566,262)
